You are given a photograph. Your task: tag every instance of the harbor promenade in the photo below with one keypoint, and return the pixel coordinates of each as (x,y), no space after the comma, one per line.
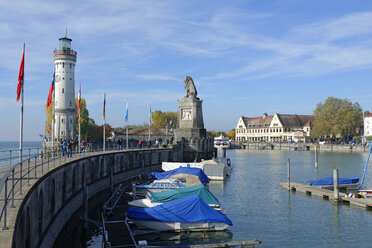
(39,195)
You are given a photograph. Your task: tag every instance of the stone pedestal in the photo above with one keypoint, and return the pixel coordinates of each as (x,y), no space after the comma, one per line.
(190,119)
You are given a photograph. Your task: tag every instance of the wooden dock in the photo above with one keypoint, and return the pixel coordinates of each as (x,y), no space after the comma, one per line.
(327,193)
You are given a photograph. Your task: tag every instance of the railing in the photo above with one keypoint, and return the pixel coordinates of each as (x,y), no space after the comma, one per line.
(23,171)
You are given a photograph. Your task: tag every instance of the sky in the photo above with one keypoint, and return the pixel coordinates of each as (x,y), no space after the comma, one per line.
(245,57)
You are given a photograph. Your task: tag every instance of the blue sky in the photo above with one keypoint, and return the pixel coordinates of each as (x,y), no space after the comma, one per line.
(246,57)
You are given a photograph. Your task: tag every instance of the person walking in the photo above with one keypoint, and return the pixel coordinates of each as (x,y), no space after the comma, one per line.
(83,145)
(140,143)
(119,144)
(64,146)
(69,149)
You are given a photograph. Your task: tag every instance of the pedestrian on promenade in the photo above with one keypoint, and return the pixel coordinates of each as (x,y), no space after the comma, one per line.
(156,143)
(64,146)
(119,144)
(83,145)
(69,148)
(140,143)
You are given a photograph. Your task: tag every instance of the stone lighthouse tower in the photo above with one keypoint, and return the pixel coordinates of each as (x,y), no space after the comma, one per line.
(65,114)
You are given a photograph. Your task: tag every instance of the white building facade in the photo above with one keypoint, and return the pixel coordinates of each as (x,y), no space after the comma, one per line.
(367,125)
(65,113)
(274,128)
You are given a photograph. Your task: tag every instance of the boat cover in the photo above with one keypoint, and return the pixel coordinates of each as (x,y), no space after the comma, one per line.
(190,209)
(199,190)
(329,181)
(182,170)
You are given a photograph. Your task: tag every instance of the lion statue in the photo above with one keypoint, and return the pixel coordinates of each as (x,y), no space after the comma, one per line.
(190,87)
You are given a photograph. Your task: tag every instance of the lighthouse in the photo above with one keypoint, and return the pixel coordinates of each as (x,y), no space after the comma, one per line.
(65,114)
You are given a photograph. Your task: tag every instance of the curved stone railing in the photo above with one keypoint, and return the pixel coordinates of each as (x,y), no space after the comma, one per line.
(52,198)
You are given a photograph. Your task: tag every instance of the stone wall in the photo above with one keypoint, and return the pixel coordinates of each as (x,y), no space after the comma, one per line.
(59,194)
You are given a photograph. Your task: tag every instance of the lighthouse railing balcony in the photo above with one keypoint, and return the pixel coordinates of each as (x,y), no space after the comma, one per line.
(65,52)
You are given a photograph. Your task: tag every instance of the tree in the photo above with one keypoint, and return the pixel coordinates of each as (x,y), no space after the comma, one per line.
(337,118)
(221,133)
(85,122)
(231,134)
(163,119)
(211,134)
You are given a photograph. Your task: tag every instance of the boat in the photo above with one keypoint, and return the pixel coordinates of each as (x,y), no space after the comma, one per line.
(186,214)
(221,142)
(189,174)
(365,192)
(215,169)
(159,185)
(329,181)
(158,198)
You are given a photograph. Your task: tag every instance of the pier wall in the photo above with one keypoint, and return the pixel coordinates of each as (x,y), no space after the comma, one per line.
(304,147)
(59,194)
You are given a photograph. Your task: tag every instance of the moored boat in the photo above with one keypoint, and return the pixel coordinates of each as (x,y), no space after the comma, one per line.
(158,198)
(186,214)
(221,142)
(329,181)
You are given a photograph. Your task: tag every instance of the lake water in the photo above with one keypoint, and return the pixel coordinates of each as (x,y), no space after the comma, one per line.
(260,209)
(6,146)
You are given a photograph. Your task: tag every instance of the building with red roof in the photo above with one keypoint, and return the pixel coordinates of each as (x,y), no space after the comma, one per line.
(274,128)
(367,125)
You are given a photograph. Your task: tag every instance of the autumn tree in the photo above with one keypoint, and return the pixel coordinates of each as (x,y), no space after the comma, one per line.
(231,134)
(337,118)
(163,119)
(85,121)
(221,133)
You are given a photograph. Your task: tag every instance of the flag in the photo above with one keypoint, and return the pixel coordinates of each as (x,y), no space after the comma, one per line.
(150,117)
(21,75)
(126,114)
(104,106)
(79,98)
(51,91)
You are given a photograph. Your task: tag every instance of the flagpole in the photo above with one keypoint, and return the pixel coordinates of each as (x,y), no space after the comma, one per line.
(21,119)
(79,114)
(126,122)
(104,122)
(53,117)
(150,127)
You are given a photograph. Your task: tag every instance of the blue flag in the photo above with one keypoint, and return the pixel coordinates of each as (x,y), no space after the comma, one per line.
(126,114)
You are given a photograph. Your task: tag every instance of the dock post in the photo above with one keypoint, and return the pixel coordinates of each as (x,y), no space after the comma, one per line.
(316,157)
(335,184)
(224,152)
(289,173)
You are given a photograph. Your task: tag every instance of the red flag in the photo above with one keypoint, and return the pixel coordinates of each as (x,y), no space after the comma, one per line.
(21,75)
(51,92)
(79,98)
(104,107)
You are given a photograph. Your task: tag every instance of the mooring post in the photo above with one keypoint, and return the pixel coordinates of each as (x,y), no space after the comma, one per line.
(316,156)
(335,184)
(289,173)
(224,152)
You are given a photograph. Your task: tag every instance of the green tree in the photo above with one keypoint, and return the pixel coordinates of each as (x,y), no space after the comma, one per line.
(221,133)
(231,134)
(162,119)
(85,122)
(337,118)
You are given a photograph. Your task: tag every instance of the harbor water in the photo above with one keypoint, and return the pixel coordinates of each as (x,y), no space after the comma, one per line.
(260,209)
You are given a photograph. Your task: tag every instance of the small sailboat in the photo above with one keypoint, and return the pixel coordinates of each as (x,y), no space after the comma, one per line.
(365,192)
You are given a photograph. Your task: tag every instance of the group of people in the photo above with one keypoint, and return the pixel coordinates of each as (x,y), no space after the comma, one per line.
(67,146)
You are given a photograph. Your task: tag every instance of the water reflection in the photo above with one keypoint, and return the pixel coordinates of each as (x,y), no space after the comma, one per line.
(186,238)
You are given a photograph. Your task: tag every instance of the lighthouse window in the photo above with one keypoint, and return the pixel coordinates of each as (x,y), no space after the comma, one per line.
(63,65)
(70,66)
(62,120)
(70,103)
(63,90)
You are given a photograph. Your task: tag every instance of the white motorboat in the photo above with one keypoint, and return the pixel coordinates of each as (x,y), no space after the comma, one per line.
(221,142)
(216,169)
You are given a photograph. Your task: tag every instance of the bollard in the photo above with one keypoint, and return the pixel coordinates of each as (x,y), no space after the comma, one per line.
(335,184)
(224,152)
(316,157)
(289,173)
